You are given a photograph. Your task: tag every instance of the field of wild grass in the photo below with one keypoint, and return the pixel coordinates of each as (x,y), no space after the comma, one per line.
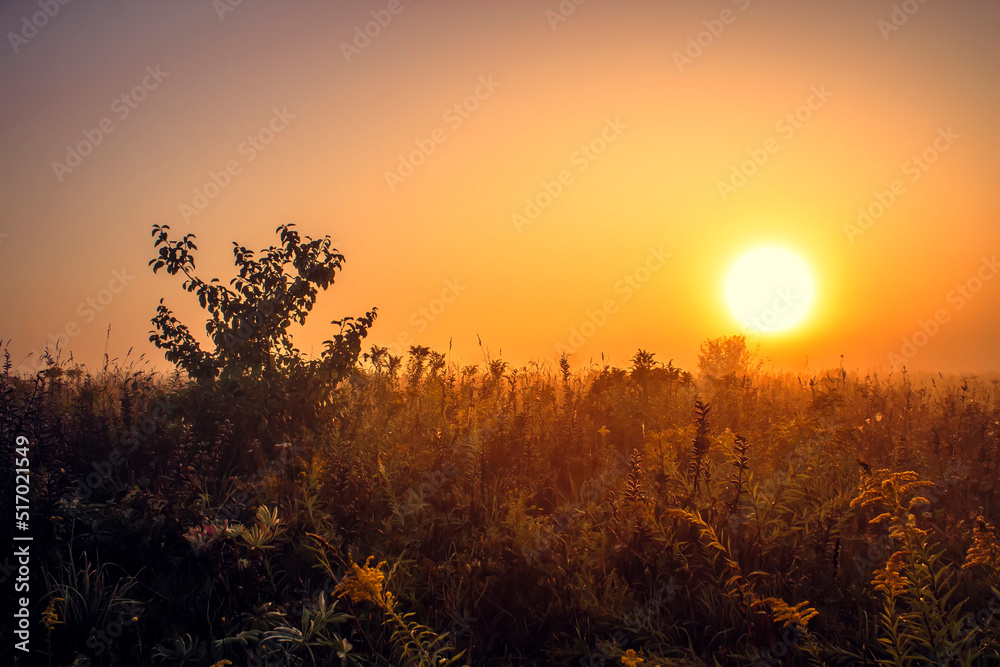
(420,513)
(255,507)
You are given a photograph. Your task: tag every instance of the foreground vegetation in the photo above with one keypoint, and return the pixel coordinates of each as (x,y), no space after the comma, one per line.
(254,508)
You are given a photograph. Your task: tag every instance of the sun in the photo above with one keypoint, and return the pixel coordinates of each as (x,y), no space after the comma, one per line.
(769,289)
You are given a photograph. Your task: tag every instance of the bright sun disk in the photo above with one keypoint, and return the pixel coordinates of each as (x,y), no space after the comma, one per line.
(769,289)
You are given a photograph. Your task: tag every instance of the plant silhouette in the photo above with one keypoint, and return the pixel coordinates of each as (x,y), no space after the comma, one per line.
(249,320)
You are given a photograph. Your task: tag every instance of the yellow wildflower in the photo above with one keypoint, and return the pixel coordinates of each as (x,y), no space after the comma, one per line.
(50,617)
(799,614)
(630,659)
(889,580)
(984,551)
(365,583)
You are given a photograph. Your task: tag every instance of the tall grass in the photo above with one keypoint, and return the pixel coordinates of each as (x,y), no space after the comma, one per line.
(426,513)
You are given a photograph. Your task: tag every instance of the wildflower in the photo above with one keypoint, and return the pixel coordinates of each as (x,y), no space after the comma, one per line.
(50,617)
(799,614)
(365,583)
(984,550)
(222,663)
(630,659)
(889,580)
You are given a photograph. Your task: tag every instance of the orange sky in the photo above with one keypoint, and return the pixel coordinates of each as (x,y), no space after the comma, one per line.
(614,121)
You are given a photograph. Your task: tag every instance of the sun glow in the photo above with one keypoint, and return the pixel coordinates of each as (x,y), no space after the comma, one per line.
(769,289)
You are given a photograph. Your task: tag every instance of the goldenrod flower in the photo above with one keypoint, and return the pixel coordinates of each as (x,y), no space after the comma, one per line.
(799,614)
(889,580)
(365,583)
(50,617)
(984,551)
(630,659)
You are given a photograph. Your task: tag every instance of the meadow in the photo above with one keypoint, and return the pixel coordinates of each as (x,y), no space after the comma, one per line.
(255,507)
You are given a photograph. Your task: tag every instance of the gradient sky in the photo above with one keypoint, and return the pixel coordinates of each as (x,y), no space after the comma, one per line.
(664,133)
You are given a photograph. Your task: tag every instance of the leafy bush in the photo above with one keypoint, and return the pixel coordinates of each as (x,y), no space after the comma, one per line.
(254,359)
